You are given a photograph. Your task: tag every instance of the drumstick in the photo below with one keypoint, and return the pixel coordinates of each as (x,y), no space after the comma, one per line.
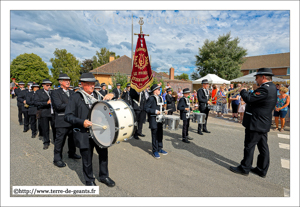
(103,126)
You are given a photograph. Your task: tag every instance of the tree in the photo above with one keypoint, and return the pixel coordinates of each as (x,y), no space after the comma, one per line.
(183,76)
(119,78)
(102,57)
(195,75)
(29,67)
(87,65)
(222,57)
(156,81)
(65,62)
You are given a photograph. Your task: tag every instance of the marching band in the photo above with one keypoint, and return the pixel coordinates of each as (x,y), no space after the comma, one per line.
(69,114)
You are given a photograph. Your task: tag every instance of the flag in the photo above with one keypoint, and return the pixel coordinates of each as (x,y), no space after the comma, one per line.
(141,75)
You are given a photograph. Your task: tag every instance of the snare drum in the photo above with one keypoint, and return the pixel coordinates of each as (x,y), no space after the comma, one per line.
(119,120)
(199,118)
(171,122)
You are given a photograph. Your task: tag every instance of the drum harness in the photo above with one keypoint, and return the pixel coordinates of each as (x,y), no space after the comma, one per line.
(160,103)
(189,111)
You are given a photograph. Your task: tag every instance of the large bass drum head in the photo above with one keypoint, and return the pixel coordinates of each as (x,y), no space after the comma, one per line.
(102,114)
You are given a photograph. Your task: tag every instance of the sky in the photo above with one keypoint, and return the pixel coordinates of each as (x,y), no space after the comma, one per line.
(175,35)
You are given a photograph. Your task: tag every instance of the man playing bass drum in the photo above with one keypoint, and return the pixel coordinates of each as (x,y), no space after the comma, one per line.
(203,99)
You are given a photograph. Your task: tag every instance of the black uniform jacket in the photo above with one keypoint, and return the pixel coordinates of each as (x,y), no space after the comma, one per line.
(170,102)
(138,108)
(126,97)
(17,91)
(59,102)
(21,97)
(103,92)
(75,114)
(182,106)
(151,108)
(202,99)
(259,107)
(30,101)
(117,93)
(40,100)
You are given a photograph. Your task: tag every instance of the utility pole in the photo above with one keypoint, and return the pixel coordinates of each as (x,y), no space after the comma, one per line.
(131,41)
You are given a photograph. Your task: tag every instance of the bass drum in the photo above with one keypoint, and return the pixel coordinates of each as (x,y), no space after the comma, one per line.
(113,121)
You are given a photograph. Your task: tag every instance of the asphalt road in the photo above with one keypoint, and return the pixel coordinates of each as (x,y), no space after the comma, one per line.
(198,169)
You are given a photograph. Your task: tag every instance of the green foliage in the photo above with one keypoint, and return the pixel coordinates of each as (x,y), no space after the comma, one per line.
(87,65)
(222,57)
(29,67)
(119,78)
(183,76)
(155,81)
(65,62)
(102,57)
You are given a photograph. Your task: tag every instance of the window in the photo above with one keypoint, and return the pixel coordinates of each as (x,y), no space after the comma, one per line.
(252,71)
(288,71)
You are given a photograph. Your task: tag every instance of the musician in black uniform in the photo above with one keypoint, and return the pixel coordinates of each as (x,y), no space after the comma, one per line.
(42,100)
(20,104)
(257,121)
(117,91)
(138,103)
(22,99)
(97,87)
(203,99)
(76,114)
(32,109)
(126,95)
(103,91)
(170,102)
(60,99)
(184,107)
(154,107)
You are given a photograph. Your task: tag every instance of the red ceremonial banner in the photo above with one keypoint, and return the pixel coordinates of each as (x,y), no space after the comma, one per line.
(141,75)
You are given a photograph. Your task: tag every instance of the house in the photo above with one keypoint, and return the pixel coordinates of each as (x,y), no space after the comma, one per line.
(104,72)
(279,63)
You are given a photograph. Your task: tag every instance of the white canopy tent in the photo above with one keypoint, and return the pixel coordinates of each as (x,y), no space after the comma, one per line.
(212,79)
(250,78)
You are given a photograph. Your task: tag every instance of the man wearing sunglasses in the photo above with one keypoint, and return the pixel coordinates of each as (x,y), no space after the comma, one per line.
(43,102)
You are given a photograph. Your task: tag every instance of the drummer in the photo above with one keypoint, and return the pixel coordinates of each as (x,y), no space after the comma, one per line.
(76,113)
(170,101)
(154,107)
(184,107)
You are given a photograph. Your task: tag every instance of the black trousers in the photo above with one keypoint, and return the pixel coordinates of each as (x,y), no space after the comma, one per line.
(185,128)
(32,119)
(60,139)
(40,128)
(87,164)
(26,120)
(141,120)
(203,126)
(157,137)
(253,138)
(45,128)
(20,114)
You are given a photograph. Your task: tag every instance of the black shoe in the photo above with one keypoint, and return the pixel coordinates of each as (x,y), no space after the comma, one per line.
(257,172)
(107,181)
(33,136)
(46,146)
(189,138)
(238,170)
(141,135)
(75,156)
(137,138)
(205,130)
(185,140)
(200,133)
(89,183)
(21,123)
(59,163)
(25,130)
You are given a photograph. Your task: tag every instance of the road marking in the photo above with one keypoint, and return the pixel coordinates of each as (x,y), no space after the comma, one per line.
(284,136)
(285,163)
(284,146)
(286,192)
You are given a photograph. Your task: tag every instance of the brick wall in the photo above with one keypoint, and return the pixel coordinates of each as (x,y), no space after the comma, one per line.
(279,71)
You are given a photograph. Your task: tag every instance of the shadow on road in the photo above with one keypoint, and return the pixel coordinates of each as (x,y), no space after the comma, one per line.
(191,147)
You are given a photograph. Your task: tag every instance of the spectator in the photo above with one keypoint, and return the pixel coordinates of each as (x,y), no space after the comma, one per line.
(160,84)
(229,101)
(194,97)
(168,85)
(221,102)
(179,96)
(241,110)
(225,87)
(164,97)
(214,95)
(281,108)
(235,104)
